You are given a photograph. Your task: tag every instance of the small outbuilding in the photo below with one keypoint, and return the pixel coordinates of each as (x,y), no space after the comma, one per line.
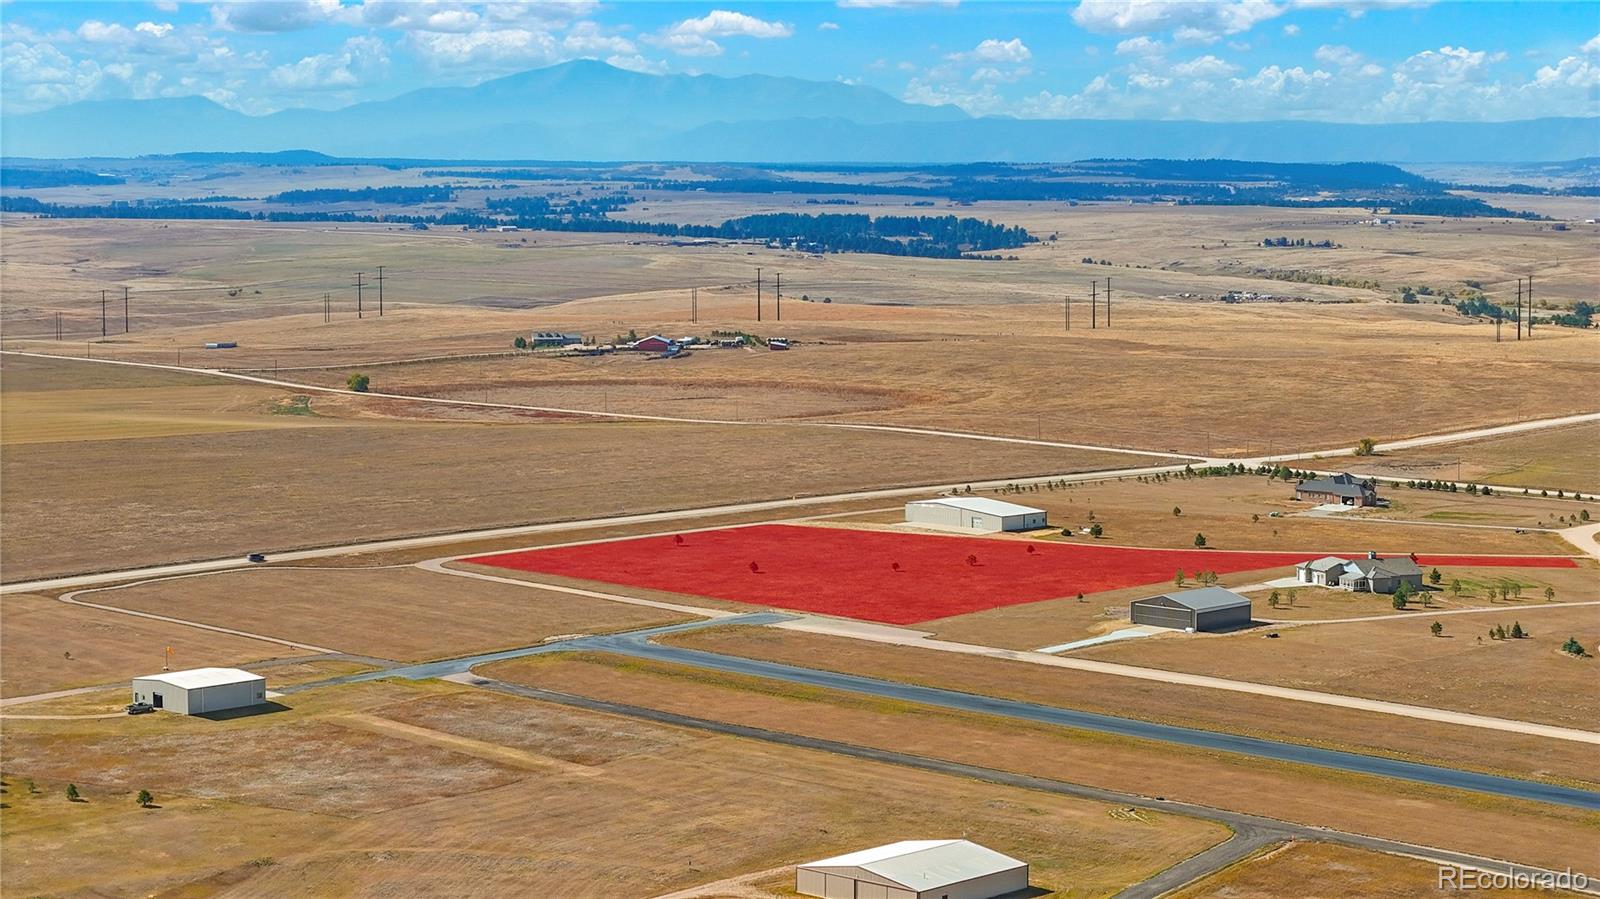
(1205,609)
(201,690)
(975,513)
(914,869)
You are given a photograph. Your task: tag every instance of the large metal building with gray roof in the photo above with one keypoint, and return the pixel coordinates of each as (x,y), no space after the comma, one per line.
(977,513)
(914,869)
(1205,609)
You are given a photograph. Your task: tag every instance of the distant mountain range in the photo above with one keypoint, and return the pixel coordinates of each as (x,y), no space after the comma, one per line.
(589,110)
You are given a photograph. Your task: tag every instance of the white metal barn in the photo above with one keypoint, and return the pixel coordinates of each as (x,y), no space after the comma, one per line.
(201,690)
(914,869)
(974,512)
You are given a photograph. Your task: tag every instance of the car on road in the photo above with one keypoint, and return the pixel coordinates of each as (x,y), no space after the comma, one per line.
(257,557)
(140,708)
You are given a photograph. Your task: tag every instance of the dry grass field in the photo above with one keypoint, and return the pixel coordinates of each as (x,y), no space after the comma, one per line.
(1561,459)
(1400,661)
(1541,833)
(1325,871)
(47,645)
(404,614)
(205,493)
(435,790)
(1201,707)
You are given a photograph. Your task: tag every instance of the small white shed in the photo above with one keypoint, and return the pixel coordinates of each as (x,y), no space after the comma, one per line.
(974,513)
(201,690)
(914,869)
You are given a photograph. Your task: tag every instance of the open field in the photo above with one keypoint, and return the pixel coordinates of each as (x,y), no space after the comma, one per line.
(1560,459)
(896,578)
(423,615)
(1325,871)
(419,788)
(48,645)
(1201,707)
(1400,661)
(910,362)
(297,486)
(1346,802)
(1236,513)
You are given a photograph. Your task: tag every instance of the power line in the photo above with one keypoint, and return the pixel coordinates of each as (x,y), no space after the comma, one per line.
(380,291)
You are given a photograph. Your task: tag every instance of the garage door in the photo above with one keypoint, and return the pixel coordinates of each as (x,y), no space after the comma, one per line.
(1161,616)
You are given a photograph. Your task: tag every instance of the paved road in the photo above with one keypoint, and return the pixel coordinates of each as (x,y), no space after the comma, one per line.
(1434,613)
(637,644)
(1238,821)
(1244,843)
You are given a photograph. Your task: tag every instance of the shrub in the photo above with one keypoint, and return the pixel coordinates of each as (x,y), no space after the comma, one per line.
(358,382)
(1436,628)
(1199,540)
(144,799)
(1366,447)
(72,793)
(1573,647)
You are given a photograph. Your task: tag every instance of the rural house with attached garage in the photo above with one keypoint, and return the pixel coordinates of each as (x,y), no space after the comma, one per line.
(1344,489)
(1368,575)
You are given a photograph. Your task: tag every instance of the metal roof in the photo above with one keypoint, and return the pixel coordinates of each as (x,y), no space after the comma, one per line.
(979,504)
(1326,563)
(924,864)
(195,678)
(1205,599)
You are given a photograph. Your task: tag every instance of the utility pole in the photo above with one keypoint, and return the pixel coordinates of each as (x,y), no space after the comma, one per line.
(694,304)
(779,291)
(327,307)
(102,313)
(1519,308)
(1066,303)
(380,291)
(758,293)
(1530,305)
(1497,320)
(124,310)
(1094,293)
(1108,302)
(358,293)
(58,326)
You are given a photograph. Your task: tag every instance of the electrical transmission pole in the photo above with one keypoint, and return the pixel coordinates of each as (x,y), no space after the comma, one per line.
(758,293)
(1066,305)
(124,310)
(380,291)
(1530,306)
(1094,294)
(1108,302)
(778,290)
(1519,308)
(358,293)
(58,326)
(327,307)
(102,313)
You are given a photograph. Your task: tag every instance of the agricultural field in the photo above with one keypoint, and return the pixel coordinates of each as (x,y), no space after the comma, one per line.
(449,791)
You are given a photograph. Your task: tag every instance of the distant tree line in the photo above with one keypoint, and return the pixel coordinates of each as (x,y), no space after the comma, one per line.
(940,237)
(13,176)
(591,207)
(402,196)
(1298,242)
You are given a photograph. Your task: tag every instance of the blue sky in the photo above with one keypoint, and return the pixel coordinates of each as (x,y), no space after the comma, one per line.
(1231,60)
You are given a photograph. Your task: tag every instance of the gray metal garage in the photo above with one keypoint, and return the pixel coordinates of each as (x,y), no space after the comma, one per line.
(1205,609)
(201,690)
(914,869)
(974,513)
